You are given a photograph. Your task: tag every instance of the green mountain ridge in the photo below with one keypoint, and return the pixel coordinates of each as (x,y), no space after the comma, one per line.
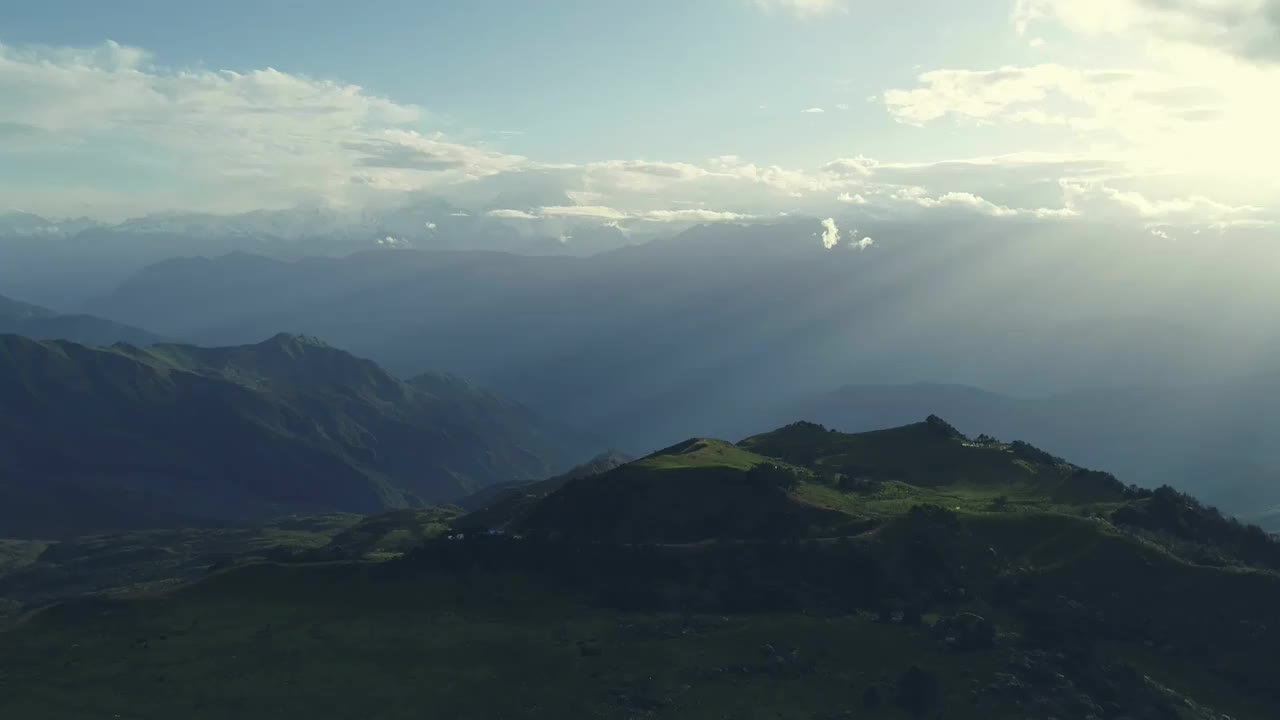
(800,480)
(800,573)
(170,435)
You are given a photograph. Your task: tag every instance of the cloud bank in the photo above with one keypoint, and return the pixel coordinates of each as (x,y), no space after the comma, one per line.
(223,141)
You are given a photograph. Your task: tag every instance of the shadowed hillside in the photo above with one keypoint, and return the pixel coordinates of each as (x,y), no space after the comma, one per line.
(40,323)
(124,437)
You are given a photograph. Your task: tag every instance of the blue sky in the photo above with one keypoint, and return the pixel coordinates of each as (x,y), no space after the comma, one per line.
(130,109)
(668,79)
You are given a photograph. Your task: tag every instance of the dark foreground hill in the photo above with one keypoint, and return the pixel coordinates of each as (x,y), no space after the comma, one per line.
(95,439)
(803,573)
(20,318)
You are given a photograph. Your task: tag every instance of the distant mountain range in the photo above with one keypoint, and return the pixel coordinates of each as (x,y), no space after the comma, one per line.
(62,263)
(720,330)
(708,334)
(33,321)
(123,437)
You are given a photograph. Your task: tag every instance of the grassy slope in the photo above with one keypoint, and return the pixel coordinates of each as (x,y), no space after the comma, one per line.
(98,439)
(33,573)
(285,643)
(697,490)
(324,641)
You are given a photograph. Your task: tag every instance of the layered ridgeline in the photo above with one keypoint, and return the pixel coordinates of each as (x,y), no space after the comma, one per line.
(173,435)
(801,481)
(909,572)
(559,333)
(41,323)
(1214,440)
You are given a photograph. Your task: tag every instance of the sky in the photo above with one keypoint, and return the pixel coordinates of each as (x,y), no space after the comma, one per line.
(1156,113)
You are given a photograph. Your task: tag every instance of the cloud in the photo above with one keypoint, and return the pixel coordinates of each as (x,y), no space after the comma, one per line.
(858,166)
(1099,199)
(1028,186)
(583,211)
(831,237)
(830,233)
(976,204)
(803,8)
(693,216)
(614,216)
(955,199)
(1246,29)
(1200,118)
(406,149)
(813,110)
(221,141)
(508,214)
(1129,101)
(244,139)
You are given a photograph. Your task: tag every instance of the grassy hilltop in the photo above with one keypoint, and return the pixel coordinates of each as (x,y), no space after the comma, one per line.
(802,573)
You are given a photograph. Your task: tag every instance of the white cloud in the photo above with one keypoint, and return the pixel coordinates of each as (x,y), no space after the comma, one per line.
(831,237)
(264,138)
(842,106)
(410,150)
(1130,101)
(1028,185)
(857,166)
(975,203)
(507,214)
(1204,118)
(813,110)
(830,233)
(954,199)
(803,8)
(692,215)
(244,139)
(1101,200)
(1247,29)
(583,211)
(612,217)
